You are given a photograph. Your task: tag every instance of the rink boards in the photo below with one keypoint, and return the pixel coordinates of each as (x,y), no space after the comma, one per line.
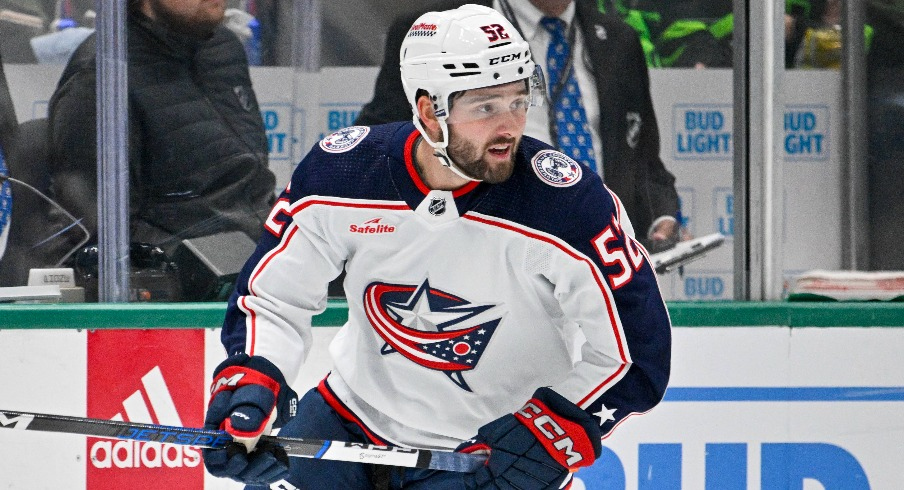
(748,407)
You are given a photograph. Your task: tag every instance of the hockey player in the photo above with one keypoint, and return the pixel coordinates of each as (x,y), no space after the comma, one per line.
(492,283)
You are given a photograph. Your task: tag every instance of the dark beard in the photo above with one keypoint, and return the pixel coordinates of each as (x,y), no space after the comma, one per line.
(470,161)
(186,26)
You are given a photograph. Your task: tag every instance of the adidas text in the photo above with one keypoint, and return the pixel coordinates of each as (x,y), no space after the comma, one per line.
(133,454)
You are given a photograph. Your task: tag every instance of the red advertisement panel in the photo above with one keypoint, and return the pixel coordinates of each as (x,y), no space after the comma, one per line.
(147,376)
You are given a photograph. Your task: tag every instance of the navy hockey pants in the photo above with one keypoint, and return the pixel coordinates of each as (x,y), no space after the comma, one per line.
(317,420)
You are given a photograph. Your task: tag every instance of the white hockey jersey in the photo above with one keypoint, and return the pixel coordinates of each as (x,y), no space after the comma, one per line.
(461,304)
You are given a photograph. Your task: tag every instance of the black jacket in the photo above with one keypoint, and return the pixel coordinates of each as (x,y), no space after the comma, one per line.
(197,146)
(632,167)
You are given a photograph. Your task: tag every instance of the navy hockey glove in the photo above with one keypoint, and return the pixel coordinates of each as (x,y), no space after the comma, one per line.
(537,447)
(248,397)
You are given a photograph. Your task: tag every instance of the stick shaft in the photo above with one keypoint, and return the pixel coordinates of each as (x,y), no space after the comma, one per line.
(215,439)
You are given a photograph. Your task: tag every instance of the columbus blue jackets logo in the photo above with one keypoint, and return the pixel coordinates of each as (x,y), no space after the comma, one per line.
(432,328)
(556,169)
(345,139)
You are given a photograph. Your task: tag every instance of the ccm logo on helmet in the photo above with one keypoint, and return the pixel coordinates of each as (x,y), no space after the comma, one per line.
(505,59)
(549,428)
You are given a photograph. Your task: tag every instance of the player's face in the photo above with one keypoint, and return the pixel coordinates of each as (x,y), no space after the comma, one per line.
(485,128)
(193,17)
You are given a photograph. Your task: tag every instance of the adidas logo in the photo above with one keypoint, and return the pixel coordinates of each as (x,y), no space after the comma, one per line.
(134,454)
(371,226)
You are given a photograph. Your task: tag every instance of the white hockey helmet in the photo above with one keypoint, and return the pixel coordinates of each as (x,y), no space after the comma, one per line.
(466,48)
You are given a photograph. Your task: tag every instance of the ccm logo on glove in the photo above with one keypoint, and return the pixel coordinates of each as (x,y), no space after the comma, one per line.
(564,440)
(224,381)
(234,377)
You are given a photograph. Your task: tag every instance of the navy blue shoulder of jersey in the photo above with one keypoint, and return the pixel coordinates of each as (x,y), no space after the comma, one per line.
(584,215)
(565,211)
(351,165)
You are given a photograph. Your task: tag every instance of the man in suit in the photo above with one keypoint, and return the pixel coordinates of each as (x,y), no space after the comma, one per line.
(610,71)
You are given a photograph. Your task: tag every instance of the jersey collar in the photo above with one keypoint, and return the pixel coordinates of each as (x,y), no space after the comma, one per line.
(416,178)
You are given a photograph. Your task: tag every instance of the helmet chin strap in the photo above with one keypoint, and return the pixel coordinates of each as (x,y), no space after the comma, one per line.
(440,148)
(447,162)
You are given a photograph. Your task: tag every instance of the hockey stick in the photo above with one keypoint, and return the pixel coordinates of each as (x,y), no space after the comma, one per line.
(204,438)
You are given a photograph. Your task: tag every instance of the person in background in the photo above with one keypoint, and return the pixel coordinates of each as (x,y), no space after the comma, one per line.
(885,120)
(197,146)
(496,292)
(602,75)
(820,45)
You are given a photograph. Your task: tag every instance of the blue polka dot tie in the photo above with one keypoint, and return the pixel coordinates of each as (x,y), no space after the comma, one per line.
(571,119)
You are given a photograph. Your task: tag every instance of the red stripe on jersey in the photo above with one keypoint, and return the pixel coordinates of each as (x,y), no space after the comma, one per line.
(416,178)
(618,204)
(409,163)
(470,186)
(617,424)
(270,255)
(251,331)
(302,205)
(336,404)
(600,386)
(593,270)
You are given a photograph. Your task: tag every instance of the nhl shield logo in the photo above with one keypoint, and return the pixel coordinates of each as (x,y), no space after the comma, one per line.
(437,206)
(345,139)
(556,169)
